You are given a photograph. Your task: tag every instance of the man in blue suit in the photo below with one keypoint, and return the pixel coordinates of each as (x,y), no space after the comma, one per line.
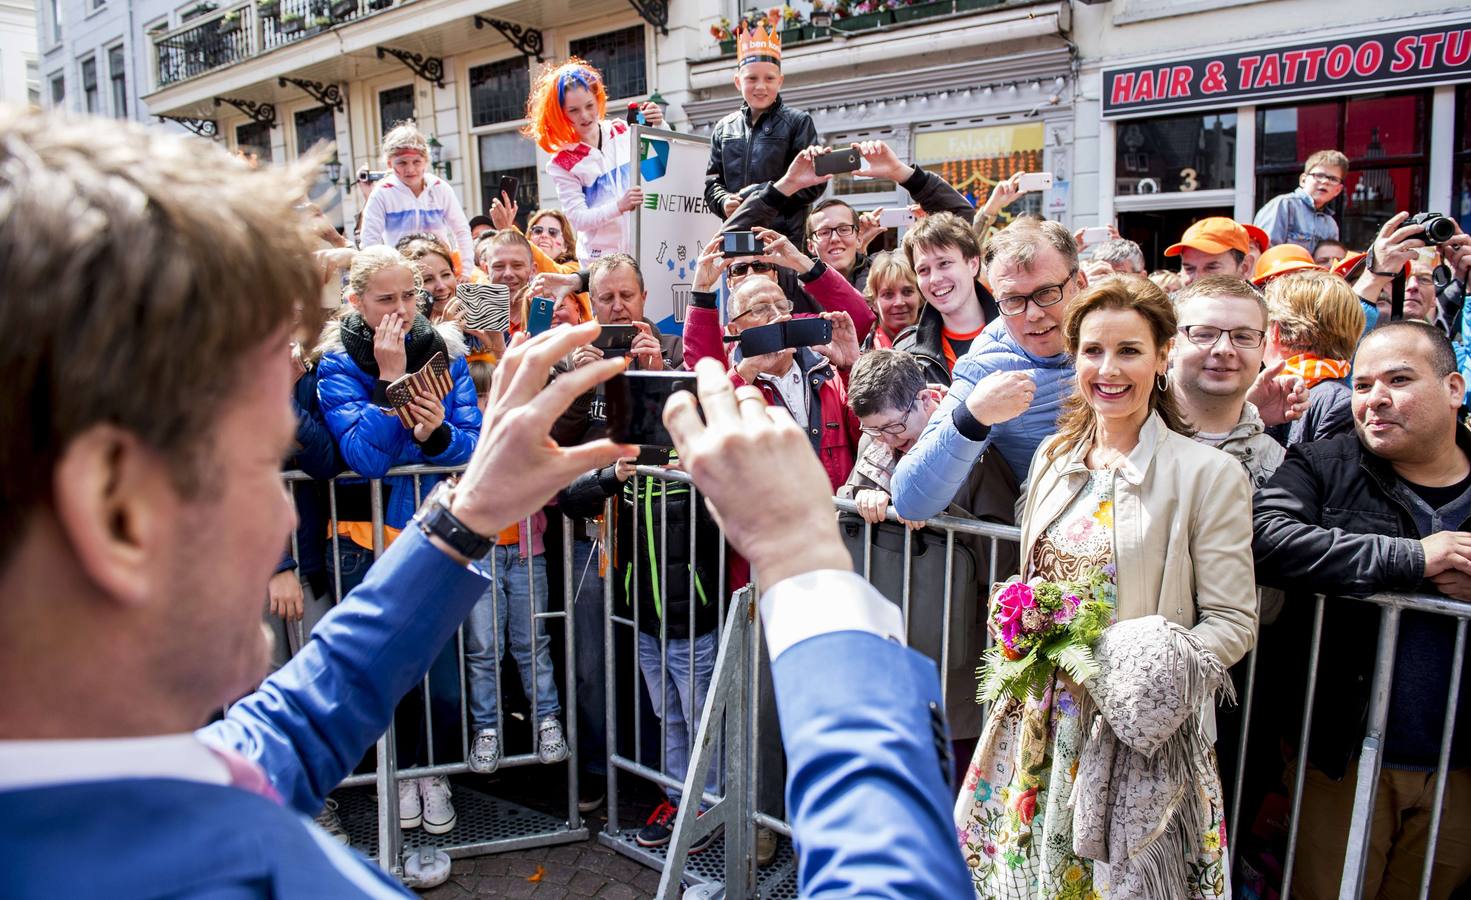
(144,342)
(866,778)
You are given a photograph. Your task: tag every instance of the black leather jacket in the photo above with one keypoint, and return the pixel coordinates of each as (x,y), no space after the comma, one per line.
(745,159)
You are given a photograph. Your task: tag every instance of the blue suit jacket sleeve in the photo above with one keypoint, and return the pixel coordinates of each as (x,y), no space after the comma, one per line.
(313,719)
(929,475)
(871,811)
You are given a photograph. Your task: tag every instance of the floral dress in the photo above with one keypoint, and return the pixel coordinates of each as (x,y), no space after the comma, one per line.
(1012,818)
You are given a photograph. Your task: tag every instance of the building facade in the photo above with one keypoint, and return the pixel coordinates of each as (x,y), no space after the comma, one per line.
(20,66)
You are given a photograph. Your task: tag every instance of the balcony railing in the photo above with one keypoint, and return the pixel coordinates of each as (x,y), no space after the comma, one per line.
(240,32)
(883,16)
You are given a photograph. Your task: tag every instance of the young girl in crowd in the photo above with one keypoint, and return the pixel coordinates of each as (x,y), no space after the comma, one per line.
(592,157)
(411,199)
(1120,490)
(379,337)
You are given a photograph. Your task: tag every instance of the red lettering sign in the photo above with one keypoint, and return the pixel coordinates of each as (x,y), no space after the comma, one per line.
(1292,59)
(1428,43)
(1270,74)
(1366,61)
(1340,60)
(1314,57)
(1180,81)
(1123,86)
(1248,65)
(1458,47)
(1143,87)
(1404,54)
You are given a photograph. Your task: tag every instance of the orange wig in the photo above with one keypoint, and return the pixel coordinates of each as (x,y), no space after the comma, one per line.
(546,122)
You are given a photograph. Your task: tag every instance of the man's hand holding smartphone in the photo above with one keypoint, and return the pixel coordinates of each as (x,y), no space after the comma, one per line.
(645,348)
(883,162)
(801,173)
(780,251)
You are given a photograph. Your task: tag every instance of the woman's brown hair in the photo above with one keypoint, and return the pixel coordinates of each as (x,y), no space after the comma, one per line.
(1076,424)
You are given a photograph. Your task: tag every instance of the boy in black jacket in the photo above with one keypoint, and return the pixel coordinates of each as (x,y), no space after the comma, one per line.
(753,147)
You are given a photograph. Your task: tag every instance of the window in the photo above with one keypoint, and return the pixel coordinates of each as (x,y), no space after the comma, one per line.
(1179,153)
(253,141)
(508,153)
(316,126)
(54,6)
(972,160)
(89,84)
(117,71)
(58,90)
(498,91)
(395,105)
(1385,138)
(33,82)
(1461,171)
(619,55)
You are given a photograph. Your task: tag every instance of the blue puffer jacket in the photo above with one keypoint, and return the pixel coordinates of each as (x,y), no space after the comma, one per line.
(372,440)
(928,476)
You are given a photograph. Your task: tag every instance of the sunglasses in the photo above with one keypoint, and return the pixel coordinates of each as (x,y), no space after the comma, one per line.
(742,269)
(547,230)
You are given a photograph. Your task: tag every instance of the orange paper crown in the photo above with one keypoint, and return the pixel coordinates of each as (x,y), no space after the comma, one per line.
(758,45)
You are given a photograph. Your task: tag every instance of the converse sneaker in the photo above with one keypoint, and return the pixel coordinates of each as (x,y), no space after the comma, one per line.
(439,813)
(410,812)
(485,753)
(551,746)
(330,822)
(657,831)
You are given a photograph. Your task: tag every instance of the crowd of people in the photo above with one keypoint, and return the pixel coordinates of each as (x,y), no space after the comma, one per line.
(1283,411)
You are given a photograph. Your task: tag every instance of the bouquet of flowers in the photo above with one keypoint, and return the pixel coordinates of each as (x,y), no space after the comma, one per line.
(1041,626)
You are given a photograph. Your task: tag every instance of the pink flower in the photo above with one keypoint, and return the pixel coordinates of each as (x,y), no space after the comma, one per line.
(1012,602)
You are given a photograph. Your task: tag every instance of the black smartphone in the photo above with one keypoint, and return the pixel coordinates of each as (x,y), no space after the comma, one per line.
(540,317)
(741,243)
(652,456)
(635,405)
(509,185)
(837,162)
(614,340)
(789,335)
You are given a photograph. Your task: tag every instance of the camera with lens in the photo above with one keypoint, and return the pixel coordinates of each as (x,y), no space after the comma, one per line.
(1439,227)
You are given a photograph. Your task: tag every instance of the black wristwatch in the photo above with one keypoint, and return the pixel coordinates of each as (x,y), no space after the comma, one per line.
(435,520)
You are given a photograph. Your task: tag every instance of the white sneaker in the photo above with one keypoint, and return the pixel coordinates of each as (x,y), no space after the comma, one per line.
(551,746)
(410,812)
(485,753)
(439,813)
(330,822)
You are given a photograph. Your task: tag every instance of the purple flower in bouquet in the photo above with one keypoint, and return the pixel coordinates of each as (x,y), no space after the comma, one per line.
(1069,608)
(1112,571)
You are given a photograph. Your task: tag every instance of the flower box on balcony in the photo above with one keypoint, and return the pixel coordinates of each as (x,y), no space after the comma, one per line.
(379,4)
(973,5)
(290,24)
(727,47)
(863,21)
(344,9)
(230,24)
(268,8)
(924,11)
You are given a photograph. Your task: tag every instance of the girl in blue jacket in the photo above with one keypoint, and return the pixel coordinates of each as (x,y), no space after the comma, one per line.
(376,339)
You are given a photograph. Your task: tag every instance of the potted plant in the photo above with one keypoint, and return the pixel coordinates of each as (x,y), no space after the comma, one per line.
(291,23)
(320,24)
(230,22)
(911,12)
(379,4)
(860,15)
(822,16)
(972,5)
(268,8)
(344,9)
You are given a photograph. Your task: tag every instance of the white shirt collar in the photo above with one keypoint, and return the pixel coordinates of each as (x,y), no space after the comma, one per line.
(28,764)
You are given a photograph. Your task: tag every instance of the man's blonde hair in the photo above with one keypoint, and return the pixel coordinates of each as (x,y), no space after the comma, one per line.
(1326,158)
(1315,312)
(404,137)
(1019,242)
(130,297)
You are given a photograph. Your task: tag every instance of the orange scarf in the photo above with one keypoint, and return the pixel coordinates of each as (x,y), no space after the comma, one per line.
(1314,369)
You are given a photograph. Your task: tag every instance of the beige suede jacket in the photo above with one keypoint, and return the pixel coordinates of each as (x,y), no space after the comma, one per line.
(1182,533)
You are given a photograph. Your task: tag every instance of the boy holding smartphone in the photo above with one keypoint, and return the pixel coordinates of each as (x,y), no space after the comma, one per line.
(752,147)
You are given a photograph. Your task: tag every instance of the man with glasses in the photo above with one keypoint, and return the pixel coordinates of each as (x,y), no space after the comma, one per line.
(1009,387)
(1302,217)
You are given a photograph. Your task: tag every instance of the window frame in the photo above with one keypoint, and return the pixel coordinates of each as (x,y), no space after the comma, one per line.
(525,68)
(593,33)
(57,98)
(91,94)
(117,79)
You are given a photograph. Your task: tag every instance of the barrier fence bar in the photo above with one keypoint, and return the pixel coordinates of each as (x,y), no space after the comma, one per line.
(742,771)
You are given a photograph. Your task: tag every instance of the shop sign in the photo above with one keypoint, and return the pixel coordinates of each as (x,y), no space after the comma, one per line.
(1372,62)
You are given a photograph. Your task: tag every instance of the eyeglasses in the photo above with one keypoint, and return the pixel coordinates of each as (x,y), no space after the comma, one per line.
(823,234)
(766,311)
(893,429)
(547,230)
(742,269)
(1207,335)
(1045,296)
(1324,176)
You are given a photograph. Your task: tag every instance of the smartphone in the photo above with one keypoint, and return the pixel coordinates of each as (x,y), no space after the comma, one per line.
(540,317)
(635,405)
(614,340)
(509,185)
(838,161)
(1096,234)
(897,218)
(1034,181)
(789,335)
(741,243)
(652,456)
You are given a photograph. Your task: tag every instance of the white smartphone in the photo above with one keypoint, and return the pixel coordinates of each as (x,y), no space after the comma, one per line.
(1096,234)
(896,218)
(1035,181)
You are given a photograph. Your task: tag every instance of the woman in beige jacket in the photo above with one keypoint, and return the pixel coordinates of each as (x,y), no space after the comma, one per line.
(1121,487)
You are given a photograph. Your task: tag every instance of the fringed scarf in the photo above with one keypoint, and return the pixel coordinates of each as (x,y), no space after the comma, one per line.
(1314,369)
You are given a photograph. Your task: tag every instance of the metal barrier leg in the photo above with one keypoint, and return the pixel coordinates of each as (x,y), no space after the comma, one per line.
(1442,768)
(1314,650)
(728,707)
(1356,858)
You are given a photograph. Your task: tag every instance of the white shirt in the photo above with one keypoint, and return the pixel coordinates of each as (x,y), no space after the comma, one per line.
(793,390)
(823,602)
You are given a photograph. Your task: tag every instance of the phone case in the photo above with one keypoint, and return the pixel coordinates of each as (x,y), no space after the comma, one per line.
(433,379)
(540,317)
(837,162)
(487,306)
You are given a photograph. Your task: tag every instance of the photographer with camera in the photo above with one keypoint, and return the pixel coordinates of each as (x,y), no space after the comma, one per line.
(1397,245)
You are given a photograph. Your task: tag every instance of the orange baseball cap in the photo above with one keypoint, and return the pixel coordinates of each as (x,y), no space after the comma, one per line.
(1257,236)
(1280,260)
(1214,235)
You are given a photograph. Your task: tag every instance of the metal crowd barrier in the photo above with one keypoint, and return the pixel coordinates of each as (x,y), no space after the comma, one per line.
(367,803)
(728,736)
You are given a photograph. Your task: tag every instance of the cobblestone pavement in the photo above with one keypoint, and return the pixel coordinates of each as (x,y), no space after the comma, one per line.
(585,869)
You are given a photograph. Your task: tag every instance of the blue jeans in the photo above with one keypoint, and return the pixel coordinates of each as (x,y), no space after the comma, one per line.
(513,583)
(674,697)
(587,622)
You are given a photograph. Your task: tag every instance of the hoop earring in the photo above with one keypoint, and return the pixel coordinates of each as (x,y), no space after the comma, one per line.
(1163,383)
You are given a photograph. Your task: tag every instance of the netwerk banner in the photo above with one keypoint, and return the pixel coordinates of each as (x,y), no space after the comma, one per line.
(1350,65)
(674,222)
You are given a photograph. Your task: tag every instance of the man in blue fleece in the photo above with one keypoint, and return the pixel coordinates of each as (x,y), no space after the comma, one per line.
(1008,389)
(140,461)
